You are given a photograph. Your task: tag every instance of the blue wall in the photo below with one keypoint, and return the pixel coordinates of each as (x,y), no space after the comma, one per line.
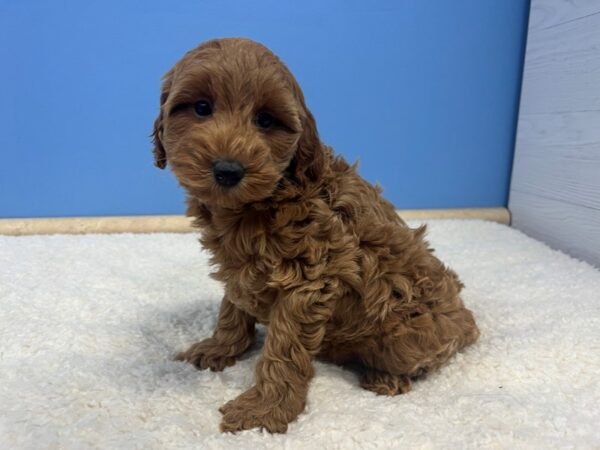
(424,93)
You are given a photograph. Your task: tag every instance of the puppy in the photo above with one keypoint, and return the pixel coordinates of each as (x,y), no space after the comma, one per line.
(300,241)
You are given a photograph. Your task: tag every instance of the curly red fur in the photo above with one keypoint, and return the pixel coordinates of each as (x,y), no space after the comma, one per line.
(302,244)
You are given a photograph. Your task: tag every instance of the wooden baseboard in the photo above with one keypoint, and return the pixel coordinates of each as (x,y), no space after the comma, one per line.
(182,224)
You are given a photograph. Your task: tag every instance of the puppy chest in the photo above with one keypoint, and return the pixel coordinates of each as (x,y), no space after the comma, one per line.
(256,301)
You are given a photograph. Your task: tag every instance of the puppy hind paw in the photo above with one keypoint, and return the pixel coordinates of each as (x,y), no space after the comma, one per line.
(384,383)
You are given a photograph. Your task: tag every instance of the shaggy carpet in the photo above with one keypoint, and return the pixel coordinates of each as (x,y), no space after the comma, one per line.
(89,324)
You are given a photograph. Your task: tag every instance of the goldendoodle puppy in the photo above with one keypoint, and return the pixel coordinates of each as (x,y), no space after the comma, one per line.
(301,242)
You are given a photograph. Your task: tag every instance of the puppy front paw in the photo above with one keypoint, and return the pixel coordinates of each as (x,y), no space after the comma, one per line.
(207,354)
(252,409)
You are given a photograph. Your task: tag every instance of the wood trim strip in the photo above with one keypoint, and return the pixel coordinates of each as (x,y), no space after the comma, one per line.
(182,224)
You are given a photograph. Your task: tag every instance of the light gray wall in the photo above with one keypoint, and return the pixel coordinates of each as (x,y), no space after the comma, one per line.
(555,188)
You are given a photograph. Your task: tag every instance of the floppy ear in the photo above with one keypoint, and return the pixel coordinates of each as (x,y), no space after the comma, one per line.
(160,155)
(310,155)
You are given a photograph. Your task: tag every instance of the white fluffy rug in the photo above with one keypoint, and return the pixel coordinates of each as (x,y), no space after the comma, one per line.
(88,326)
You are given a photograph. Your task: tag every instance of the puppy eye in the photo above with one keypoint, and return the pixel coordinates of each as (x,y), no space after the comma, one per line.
(265,120)
(203,108)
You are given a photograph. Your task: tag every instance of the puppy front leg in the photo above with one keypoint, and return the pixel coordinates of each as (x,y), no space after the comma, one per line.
(295,332)
(233,336)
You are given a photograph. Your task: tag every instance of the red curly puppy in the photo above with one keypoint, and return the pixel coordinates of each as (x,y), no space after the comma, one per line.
(301,242)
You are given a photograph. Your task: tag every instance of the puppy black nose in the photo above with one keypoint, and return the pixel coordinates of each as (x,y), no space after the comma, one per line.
(228,173)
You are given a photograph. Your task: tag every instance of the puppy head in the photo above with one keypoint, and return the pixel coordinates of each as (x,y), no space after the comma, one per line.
(233,123)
